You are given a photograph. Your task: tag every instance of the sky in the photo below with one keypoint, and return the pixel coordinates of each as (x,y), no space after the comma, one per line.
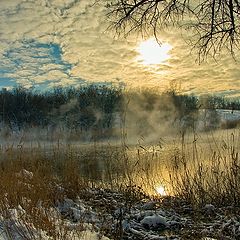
(48,43)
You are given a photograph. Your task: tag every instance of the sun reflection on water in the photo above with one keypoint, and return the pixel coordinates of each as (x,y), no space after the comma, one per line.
(161,190)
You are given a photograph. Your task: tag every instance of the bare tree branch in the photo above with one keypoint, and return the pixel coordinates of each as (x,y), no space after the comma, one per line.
(214,23)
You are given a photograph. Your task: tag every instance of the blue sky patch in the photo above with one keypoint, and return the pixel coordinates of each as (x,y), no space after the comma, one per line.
(21,64)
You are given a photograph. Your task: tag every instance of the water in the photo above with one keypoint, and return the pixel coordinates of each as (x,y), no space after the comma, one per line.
(149,166)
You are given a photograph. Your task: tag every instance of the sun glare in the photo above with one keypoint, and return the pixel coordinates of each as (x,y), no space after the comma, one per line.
(152,53)
(161,190)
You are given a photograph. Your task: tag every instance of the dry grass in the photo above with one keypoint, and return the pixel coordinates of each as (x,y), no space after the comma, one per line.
(208,174)
(33,180)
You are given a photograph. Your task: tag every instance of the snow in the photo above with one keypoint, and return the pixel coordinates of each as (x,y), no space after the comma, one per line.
(154,222)
(228,115)
(208,238)
(149,205)
(209,209)
(105,211)
(27,175)
(89,235)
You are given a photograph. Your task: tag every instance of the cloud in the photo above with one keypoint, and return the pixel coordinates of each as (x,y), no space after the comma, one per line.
(32,62)
(62,42)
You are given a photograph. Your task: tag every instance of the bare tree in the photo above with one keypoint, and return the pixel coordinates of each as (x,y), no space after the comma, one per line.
(214,23)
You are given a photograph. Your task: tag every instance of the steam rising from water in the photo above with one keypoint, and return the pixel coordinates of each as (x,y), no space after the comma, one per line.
(98,114)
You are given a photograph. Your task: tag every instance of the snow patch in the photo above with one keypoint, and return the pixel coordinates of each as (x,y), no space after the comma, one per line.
(154,222)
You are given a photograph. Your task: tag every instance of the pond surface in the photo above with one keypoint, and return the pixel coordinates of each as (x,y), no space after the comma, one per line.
(148,165)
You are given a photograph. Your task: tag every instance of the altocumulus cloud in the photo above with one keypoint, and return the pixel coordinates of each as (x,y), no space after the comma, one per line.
(35,63)
(61,42)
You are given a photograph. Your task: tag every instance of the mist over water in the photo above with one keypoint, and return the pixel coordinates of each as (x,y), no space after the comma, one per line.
(100,114)
(119,136)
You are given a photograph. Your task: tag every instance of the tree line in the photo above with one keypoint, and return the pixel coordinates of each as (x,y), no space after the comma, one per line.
(95,107)
(83,107)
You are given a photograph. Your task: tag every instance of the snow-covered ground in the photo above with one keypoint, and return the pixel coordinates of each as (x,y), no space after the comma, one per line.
(228,115)
(104,214)
(219,118)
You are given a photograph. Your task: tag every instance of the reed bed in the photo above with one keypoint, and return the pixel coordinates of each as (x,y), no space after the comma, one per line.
(196,169)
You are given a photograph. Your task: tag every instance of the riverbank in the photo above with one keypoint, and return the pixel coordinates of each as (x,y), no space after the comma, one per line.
(186,189)
(105,214)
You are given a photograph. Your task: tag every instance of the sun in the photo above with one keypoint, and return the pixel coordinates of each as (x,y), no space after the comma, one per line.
(152,53)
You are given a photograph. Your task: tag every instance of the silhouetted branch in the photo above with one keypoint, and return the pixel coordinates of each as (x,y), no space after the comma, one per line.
(215,23)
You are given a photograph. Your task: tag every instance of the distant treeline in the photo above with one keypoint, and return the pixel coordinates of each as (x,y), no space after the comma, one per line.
(83,107)
(94,106)
(216,102)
